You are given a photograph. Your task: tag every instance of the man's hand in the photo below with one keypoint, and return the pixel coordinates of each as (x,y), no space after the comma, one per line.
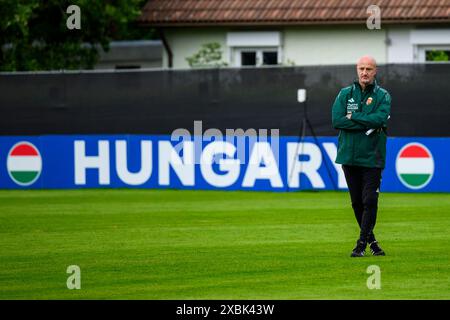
(348,116)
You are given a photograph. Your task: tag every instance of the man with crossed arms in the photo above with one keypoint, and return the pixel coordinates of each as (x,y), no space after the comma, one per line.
(360,113)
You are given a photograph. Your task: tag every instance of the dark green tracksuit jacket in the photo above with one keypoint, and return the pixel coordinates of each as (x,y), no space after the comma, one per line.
(370,109)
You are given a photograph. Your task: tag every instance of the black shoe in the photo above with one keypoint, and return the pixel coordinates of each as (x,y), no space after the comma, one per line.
(360,249)
(376,249)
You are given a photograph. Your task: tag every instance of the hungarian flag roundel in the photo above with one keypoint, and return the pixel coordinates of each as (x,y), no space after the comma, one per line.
(24,163)
(414,165)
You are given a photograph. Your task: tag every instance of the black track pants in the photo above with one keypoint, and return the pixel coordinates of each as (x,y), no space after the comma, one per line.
(364,186)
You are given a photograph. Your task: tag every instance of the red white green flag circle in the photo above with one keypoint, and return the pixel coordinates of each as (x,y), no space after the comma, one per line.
(24,163)
(415,165)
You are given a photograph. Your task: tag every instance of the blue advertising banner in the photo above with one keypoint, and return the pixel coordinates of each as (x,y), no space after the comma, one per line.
(229,163)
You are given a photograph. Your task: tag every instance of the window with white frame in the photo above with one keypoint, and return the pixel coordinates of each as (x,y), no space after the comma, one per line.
(256,57)
(254,49)
(434,54)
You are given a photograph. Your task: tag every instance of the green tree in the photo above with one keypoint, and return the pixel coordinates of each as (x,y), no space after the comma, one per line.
(209,55)
(34,35)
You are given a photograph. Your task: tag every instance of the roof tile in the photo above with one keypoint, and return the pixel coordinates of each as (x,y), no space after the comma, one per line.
(259,12)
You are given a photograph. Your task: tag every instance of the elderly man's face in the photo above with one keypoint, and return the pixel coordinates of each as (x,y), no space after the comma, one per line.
(366,71)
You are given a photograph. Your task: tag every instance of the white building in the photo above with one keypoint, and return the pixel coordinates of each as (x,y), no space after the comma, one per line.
(256,33)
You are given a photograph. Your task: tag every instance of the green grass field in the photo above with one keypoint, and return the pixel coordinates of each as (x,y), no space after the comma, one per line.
(155,244)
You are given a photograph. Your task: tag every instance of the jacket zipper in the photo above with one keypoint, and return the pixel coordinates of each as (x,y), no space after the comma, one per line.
(360,110)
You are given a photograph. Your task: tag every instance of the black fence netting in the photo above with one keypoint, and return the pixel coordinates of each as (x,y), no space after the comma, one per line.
(158,102)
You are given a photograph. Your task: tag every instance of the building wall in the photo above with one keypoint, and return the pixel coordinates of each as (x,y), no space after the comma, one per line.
(400,49)
(301,45)
(184,42)
(319,45)
(333,44)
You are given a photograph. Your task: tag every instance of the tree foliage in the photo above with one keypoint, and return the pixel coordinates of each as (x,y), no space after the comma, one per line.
(438,55)
(34,35)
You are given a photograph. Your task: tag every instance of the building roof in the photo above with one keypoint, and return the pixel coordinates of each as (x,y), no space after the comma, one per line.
(132,50)
(289,12)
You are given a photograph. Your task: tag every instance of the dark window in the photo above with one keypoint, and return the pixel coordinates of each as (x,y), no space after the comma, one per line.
(248,58)
(127,67)
(270,58)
